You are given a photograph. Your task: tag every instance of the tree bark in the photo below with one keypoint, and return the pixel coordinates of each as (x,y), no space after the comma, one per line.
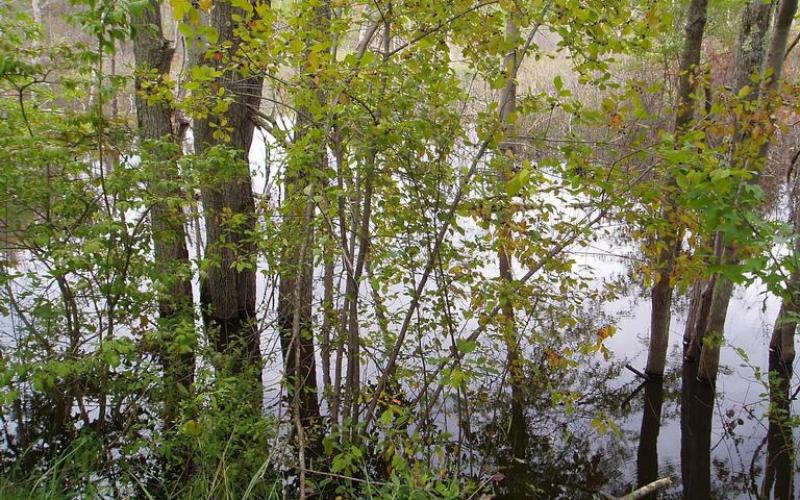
(328,318)
(227,291)
(176,310)
(749,60)
(781,344)
(780,39)
(508,105)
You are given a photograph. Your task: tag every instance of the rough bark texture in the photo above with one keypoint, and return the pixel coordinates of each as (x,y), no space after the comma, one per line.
(690,60)
(153,52)
(227,293)
(661,293)
(780,39)
(690,328)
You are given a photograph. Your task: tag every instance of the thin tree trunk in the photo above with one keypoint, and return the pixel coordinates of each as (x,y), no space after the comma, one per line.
(662,290)
(347,259)
(508,104)
(296,279)
(362,231)
(328,318)
(780,39)
(153,52)
(297,265)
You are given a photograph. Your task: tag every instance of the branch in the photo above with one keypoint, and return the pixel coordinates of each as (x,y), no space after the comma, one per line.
(448,220)
(643,491)
(441,25)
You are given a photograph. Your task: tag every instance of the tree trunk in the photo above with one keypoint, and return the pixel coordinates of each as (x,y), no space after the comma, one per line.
(780,39)
(714,330)
(153,52)
(661,293)
(508,105)
(328,318)
(778,473)
(781,343)
(308,156)
(749,60)
(296,280)
(228,287)
(690,329)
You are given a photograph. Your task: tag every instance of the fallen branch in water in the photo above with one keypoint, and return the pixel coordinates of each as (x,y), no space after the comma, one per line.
(643,491)
(637,372)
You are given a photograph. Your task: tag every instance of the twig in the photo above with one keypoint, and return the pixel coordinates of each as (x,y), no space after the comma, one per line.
(638,373)
(341,476)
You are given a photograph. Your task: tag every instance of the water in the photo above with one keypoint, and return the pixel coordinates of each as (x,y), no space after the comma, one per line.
(715,447)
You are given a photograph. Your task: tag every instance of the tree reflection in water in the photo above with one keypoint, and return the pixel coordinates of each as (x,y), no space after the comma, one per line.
(647,457)
(778,477)
(538,450)
(697,408)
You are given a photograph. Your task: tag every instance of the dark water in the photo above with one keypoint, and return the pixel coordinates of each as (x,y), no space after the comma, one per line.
(713,442)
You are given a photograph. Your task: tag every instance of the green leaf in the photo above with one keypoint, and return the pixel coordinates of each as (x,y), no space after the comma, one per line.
(516,183)
(386,417)
(466,346)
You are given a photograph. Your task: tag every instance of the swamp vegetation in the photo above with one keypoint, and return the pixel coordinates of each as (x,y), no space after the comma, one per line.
(399,248)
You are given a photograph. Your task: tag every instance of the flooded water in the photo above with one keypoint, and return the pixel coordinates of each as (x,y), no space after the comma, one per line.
(622,432)
(712,442)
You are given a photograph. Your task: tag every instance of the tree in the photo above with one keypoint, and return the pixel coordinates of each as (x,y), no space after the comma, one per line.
(670,244)
(749,61)
(228,278)
(161,147)
(303,178)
